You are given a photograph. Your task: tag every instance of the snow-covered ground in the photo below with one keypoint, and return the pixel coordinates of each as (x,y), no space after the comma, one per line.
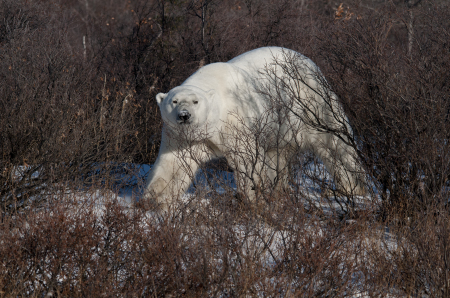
(268,240)
(131,189)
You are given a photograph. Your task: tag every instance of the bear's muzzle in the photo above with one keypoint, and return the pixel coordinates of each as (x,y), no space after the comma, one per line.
(184,116)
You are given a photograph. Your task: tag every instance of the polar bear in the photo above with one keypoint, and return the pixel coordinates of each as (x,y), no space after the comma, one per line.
(254,110)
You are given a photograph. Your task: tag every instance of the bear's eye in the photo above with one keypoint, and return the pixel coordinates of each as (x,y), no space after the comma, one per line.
(175,101)
(195,102)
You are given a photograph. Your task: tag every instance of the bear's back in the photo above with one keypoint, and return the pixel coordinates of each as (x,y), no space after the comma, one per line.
(257,59)
(262,59)
(211,76)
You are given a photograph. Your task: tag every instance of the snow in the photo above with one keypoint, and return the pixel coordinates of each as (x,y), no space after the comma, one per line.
(129,189)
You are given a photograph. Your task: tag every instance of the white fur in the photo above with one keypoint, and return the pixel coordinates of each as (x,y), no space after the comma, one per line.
(228,102)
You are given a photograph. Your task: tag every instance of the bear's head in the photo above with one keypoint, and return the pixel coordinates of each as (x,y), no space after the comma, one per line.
(185,105)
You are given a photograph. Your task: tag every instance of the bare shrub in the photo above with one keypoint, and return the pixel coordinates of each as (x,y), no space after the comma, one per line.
(66,251)
(410,259)
(396,103)
(208,251)
(61,119)
(308,108)
(82,80)
(77,109)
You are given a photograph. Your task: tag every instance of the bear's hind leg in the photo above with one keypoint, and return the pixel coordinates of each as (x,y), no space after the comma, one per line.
(340,161)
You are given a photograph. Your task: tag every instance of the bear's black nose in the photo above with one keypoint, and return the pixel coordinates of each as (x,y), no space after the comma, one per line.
(184,115)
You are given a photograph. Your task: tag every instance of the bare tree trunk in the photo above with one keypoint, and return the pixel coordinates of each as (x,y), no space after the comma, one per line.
(84,47)
(204,11)
(163,16)
(411,4)
(410,28)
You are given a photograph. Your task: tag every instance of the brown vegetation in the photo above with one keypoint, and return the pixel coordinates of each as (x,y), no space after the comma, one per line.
(77,82)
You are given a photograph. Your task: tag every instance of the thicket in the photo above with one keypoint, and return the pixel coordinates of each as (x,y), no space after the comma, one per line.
(77,109)
(79,78)
(391,74)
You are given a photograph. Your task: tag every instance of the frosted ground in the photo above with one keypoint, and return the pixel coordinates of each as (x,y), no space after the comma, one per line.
(267,241)
(130,190)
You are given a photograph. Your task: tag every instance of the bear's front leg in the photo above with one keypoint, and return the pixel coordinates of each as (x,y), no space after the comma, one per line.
(168,179)
(173,172)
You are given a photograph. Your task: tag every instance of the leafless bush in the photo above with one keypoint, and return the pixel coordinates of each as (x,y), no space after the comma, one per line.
(397,103)
(305,104)
(396,98)
(208,251)
(81,74)
(62,120)
(408,260)
(78,80)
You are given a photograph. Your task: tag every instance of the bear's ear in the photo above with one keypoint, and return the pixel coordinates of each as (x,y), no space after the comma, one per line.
(160,97)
